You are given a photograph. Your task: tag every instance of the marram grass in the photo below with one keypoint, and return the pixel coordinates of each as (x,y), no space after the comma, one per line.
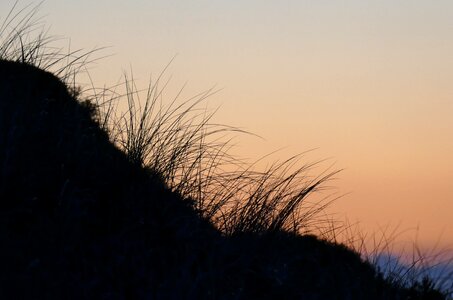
(177,144)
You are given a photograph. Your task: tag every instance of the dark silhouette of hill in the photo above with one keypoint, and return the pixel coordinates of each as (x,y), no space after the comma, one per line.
(78,220)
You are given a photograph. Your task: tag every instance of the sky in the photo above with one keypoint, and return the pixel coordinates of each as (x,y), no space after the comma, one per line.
(367,84)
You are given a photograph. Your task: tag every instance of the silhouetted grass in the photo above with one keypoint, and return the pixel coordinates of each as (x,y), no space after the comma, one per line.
(178,142)
(264,215)
(425,274)
(25,39)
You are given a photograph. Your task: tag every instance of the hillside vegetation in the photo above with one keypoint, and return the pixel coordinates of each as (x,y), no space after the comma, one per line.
(137,209)
(79,220)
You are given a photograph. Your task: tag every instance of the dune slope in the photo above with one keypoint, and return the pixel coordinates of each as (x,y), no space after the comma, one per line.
(79,220)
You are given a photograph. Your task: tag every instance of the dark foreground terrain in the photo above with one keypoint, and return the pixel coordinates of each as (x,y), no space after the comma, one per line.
(79,221)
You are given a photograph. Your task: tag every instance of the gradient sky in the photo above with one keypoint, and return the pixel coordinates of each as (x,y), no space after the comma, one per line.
(366,83)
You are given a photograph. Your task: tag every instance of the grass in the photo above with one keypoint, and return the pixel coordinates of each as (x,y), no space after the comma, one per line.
(179,145)
(177,142)
(25,38)
(423,272)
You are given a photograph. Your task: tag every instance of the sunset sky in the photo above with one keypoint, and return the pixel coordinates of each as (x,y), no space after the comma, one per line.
(368,84)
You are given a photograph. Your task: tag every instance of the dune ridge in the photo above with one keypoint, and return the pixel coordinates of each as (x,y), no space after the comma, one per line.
(80,220)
